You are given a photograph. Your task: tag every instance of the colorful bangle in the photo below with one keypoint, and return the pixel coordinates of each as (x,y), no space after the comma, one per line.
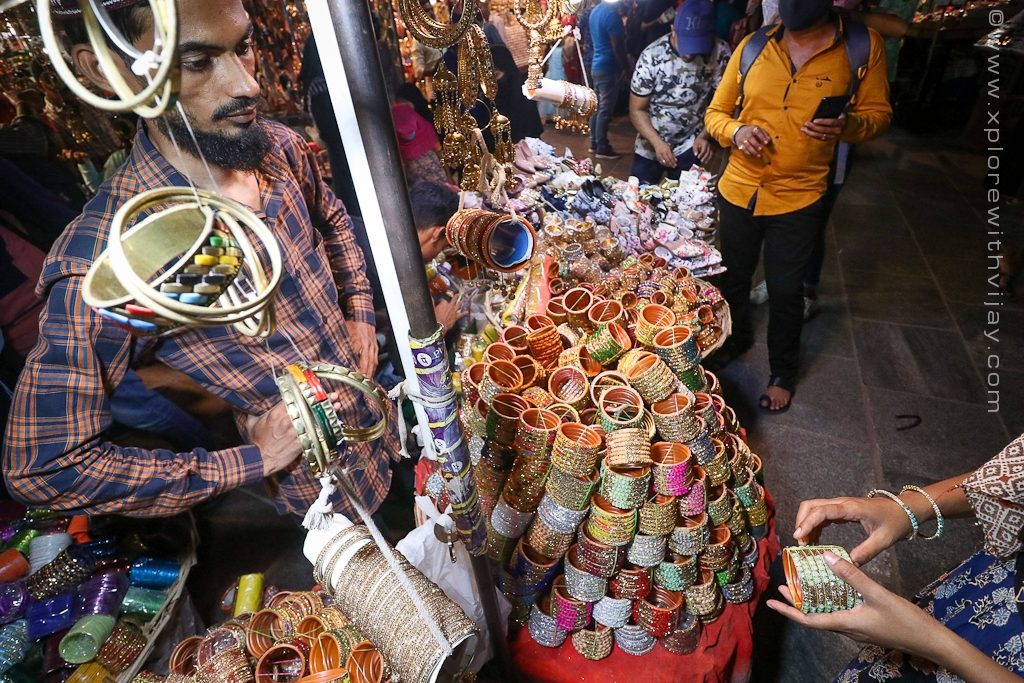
(914,525)
(634,640)
(758,513)
(671,471)
(704,408)
(525,484)
(740,591)
(560,518)
(580,584)
(700,445)
(610,525)
(532,571)
(570,385)
(691,537)
(503,418)
(613,612)
(693,378)
(718,553)
(625,489)
(684,639)
(717,469)
(543,626)
(675,418)
(940,521)
(658,612)
(658,516)
(719,506)
(535,432)
(608,343)
(576,449)
(631,583)
(813,585)
(546,541)
(593,643)
(653,319)
(651,377)
(620,408)
(677,572)
(647,551)
(508,521)
(628,448)
(677,346)
(569,491)
(570,614)
(703,597)
(746,489)
(598,558)
(696,500)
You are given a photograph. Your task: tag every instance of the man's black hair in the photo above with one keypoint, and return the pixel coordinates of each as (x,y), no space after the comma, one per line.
(432,203)
(132,21)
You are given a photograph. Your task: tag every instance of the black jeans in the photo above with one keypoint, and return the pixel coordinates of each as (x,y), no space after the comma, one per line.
(651,171)
(789,240)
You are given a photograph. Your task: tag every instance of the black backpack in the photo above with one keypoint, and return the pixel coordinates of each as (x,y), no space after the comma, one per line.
(857,41)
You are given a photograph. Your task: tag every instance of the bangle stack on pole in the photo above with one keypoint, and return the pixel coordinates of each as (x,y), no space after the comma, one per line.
(633,478)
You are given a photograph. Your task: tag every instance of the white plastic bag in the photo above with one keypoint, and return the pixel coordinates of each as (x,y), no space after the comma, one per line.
(430,556)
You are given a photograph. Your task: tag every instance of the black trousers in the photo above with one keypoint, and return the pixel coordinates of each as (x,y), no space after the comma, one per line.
(789,241)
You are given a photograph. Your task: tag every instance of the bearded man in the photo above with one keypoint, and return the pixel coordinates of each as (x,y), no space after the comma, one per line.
(56,452)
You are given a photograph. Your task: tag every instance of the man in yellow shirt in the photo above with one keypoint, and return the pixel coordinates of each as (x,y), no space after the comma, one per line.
(772,191)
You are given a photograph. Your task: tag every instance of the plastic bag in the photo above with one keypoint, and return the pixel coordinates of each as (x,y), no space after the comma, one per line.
(430,556)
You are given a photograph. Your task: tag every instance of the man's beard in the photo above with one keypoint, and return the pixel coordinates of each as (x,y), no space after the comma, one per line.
(243,152)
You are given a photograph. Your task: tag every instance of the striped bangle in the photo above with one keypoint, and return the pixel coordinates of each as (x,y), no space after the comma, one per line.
(634,640)
(647,551)
(542,627)
(684,639)
(677,572)
(940,521)
(593,643)
(906,508)
(613,612)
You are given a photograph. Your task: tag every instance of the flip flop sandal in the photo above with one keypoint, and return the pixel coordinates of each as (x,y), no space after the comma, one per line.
(765,402)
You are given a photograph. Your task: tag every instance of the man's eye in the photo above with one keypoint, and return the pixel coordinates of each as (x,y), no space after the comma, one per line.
(196,64)
(245,48)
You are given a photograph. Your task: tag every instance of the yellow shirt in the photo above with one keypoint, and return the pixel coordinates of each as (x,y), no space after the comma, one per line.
(793,172)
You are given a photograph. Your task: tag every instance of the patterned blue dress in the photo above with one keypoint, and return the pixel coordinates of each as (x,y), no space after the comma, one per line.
(978,602)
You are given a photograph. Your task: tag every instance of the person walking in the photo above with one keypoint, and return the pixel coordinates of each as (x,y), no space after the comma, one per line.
(674,79)
(773,189)
(610,62)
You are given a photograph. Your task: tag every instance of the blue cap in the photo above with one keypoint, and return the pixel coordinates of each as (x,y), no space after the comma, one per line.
(695,27)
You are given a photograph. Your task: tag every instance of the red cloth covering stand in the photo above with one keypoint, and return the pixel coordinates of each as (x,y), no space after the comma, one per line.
(722,656)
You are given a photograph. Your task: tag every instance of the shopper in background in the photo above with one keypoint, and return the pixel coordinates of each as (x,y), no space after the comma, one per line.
(773,190)
(966,626)
(610,64)
(674,80)
(656,19)
(57,452)
(432,205)
(515,37)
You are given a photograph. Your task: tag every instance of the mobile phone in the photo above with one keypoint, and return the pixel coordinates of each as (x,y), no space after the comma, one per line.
(831,107)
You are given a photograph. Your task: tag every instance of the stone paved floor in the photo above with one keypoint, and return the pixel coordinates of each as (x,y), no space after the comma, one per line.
(900,333)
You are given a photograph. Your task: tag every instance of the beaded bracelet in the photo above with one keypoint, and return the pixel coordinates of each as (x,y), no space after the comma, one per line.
(613,612)
(631,582)
(677,572)
(628,448)
(719,506)
(593,643)
(570,614)
(625,489)
(576,449)
(598,558)
(684,639)
(560,518)
(740,591)
(569,491)
(658,612)
(634,640)
(508,521)
(813,585)
(543,627)
(658,516)
(647,551)
(580,584)
(703,597)
(610,525)
(914,524)
(691,537)
(546,540)
(940,521)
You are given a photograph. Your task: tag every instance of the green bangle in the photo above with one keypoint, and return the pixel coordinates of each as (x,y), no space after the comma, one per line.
(906,508)
(940,521)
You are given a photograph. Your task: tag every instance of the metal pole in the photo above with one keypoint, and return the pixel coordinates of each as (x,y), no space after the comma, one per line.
(348,52)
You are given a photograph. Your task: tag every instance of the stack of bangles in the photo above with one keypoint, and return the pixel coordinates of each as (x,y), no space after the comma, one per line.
(633,639)
(607,343)
(677,572)
(658,516)
(740,590)
(625,488)
(576,449)
(675,418)
(536,431)
(658,612)
(691,537)
(578,99)
(613,612)
(593,643)
(598,558)
(651,377)
(647,551)
(544,340)
(719,507)
(532,570)
(696,500)
(700,446)
(501,242)
(631,583)
(317,424)
(813,585)
(570,491)
(677,346)
(629,447)
(543,627)
(560,518)
(620,408)
(704,599)
(671,471)
(580,584)
(570,614)
(610,525)
(684,639)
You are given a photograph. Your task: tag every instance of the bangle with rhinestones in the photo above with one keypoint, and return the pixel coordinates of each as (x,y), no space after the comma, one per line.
(940,521)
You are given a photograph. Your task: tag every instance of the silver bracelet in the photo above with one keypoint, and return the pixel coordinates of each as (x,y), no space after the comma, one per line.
(906,508)
(940,521)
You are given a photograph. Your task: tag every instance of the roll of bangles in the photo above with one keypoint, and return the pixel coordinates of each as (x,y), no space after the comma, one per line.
(812,583)
(191,264)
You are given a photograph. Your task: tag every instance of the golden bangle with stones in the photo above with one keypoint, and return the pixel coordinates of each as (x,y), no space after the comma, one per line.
(428,30)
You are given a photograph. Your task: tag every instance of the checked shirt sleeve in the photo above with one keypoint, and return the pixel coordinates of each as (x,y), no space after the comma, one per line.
(346,257)
(55,453)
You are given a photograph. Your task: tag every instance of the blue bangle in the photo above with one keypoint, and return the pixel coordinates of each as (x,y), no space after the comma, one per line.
(940,521)
(906,508)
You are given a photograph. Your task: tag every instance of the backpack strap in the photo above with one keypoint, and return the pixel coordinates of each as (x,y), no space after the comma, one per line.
(751,51)
(857,41)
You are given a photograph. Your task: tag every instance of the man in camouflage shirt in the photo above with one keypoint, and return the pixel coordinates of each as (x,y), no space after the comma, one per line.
(672,84)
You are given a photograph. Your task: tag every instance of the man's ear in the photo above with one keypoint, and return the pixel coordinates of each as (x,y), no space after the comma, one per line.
(85,63)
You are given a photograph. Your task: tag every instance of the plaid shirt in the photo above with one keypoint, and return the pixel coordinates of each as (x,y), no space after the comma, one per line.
(55,453)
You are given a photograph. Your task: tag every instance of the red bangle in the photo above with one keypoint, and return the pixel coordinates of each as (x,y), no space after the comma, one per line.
(658,613)
(631,583)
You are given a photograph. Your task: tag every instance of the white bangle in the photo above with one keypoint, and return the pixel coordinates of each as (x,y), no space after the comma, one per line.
(940,521)
(906,508)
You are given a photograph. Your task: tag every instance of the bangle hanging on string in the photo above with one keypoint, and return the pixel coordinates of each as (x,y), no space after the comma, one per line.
(158,65)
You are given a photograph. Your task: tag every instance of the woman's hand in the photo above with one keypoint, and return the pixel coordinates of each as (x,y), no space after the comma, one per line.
(883,521)
(883,619)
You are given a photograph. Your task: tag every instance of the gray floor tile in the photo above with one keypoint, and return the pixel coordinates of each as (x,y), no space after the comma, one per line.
(1006,340)
(882,256)
(971,280)
(950,439)
(853,221)
(1011,401)
(919,360)
(828,332)
(895,298)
